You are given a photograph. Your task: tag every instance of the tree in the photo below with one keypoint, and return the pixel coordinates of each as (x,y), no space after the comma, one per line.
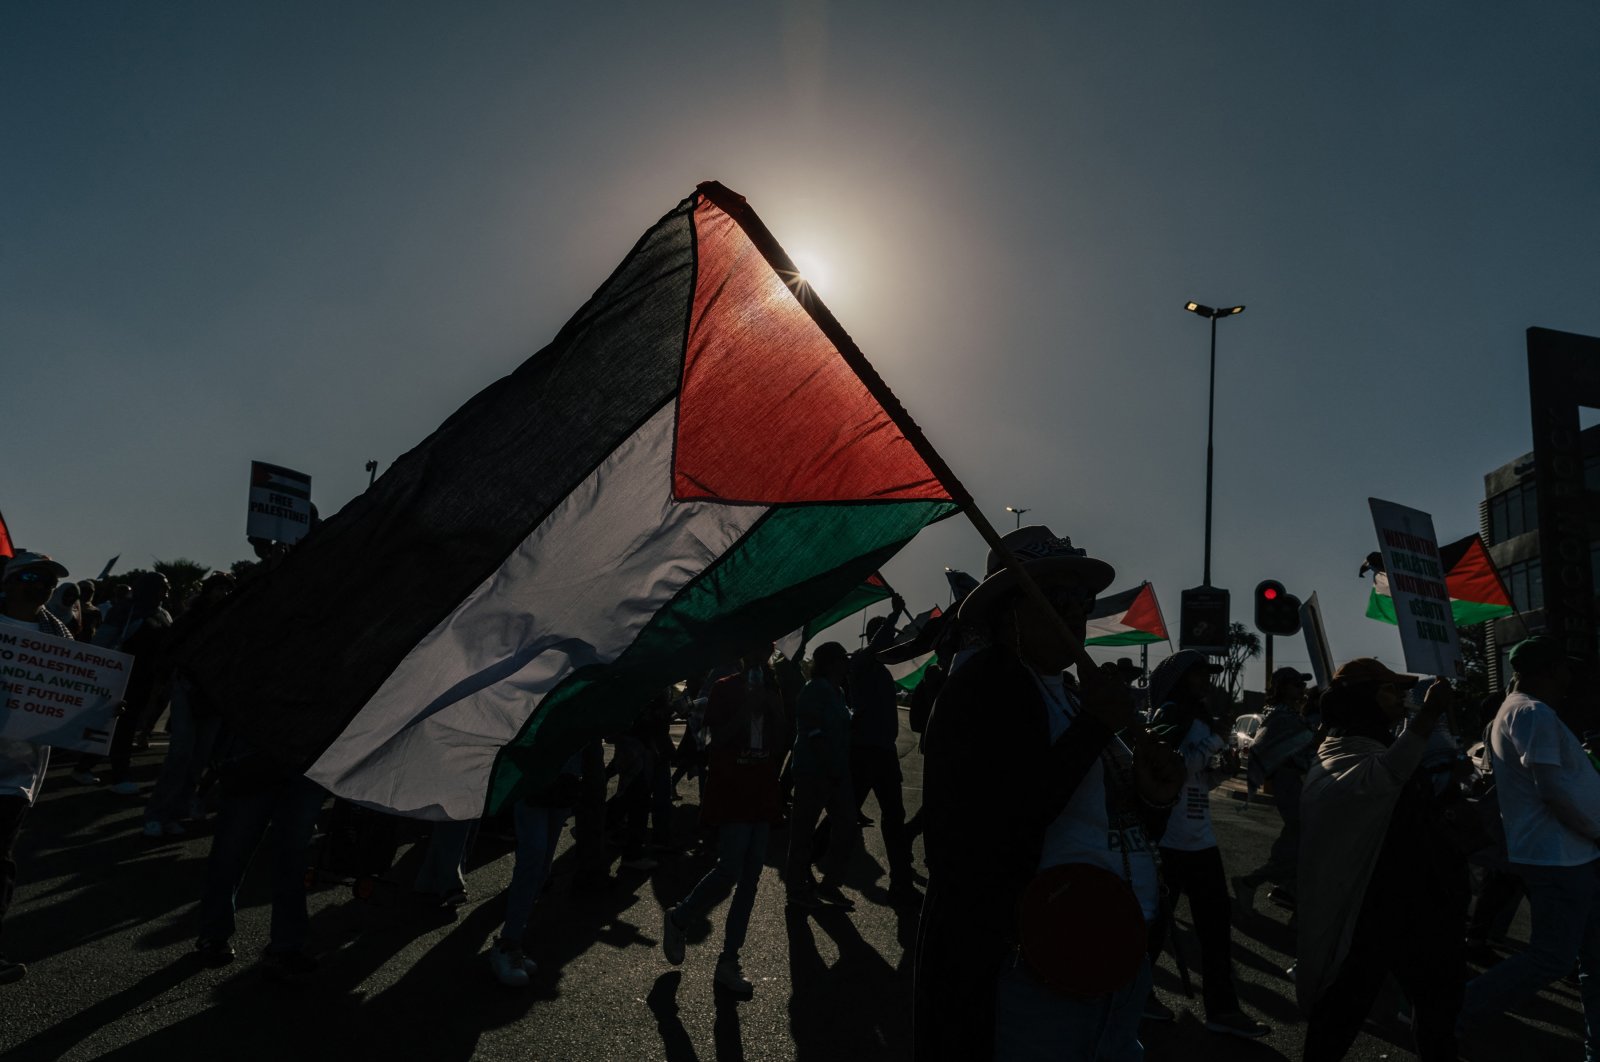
(183,575)
(1244,644)
(1473,688)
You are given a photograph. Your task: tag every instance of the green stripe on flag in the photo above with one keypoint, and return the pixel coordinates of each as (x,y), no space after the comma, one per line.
(795,561)
(1125,638)
(861,597)
(1380,607)
(1466,613)
(911,681)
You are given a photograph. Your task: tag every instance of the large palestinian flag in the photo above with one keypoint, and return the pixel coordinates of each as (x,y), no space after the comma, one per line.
(1476,592)
(699,461)
(1132,617)
(872,590)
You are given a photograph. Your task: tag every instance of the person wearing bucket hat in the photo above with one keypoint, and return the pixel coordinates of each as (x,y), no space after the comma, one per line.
(1191,861)
(1024,781)
(1550,804)
(28,581)
(1380,891)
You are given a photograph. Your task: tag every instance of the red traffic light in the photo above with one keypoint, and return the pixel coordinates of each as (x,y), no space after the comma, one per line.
(1277,610)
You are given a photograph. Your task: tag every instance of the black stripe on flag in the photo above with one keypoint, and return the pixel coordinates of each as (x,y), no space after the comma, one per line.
(295,653)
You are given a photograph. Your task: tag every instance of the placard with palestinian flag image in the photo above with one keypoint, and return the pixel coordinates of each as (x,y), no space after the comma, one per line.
(700,461)
(1476,591)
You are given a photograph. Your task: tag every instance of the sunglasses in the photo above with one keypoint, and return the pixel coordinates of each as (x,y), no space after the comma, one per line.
(32,577)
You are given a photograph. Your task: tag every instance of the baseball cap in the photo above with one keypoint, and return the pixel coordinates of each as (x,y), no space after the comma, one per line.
(1364,669)
(25,559)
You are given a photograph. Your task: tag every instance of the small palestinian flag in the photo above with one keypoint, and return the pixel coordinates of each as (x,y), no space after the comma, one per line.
(872,590)
(1476,592)
(909,673)
(1132,617)
(701,460)
(6,548)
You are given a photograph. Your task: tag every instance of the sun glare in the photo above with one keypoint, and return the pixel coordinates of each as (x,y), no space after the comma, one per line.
(813,271)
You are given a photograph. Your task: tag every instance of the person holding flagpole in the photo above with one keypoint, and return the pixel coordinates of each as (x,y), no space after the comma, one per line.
(1024,776)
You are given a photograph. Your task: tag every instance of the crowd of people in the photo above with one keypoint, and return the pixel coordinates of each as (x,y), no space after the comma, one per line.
(1063,816)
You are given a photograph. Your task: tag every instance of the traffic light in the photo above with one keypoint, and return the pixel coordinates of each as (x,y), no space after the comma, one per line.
(1277,610)
(1203,620)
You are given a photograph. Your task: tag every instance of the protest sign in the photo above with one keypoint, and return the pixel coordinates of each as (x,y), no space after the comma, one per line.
(1316,642)
(1417,585)
(59,692)
(280,503)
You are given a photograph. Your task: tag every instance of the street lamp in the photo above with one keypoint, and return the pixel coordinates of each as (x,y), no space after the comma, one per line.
(1211,411)
(1019,512)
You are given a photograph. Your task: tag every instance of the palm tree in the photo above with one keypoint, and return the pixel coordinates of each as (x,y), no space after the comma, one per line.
(1243,644)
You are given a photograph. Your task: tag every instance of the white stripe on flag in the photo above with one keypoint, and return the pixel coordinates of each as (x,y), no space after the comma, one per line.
(576,592)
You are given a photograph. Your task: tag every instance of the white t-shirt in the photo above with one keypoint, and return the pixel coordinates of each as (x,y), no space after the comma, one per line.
(1082,833)
(1527,732)
(1189,825)
(22,765)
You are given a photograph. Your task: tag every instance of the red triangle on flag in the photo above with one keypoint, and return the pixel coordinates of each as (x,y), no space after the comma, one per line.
(1145,614)
(769,410)
(1473,577)
(6,548)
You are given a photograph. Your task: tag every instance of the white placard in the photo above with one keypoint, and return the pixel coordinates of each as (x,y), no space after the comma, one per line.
(1417,585)
(1316,642)
(59,692)
(280,503)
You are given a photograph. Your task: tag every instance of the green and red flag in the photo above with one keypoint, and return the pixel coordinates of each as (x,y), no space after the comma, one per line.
(1132,617)
(1476,590)
(908,673)
(871,590)
(699,459)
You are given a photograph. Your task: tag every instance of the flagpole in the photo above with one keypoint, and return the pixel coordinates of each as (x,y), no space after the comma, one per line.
(735,206)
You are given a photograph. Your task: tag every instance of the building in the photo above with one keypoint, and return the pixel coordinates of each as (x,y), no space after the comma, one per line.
(1509,520)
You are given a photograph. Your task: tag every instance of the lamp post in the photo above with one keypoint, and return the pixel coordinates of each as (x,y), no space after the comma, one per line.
(1019,512)
(1211,412)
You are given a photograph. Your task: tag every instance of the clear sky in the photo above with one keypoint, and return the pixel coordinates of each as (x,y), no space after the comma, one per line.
(306,232)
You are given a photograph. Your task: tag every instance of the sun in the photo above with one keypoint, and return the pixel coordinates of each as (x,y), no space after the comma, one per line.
(813,270)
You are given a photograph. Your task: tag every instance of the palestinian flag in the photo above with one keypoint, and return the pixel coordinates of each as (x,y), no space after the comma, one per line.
(1476,592)
(699,461)
(1132,617)
(872,590)
(6,548)
(909,672)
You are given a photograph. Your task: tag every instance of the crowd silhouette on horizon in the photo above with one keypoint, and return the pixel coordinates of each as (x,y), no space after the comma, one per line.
(1062,817)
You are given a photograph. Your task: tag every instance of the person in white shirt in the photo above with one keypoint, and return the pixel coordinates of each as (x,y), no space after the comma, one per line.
(28,582)
(1190,859)
(1549,794)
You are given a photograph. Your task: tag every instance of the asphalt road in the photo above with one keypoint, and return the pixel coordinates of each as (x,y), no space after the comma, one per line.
(106,920)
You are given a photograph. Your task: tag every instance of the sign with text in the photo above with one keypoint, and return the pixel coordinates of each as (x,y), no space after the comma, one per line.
(1416,582)
(280,503)
(59,692)
(1316,642)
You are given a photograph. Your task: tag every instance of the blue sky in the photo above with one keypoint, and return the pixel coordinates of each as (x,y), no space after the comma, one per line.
(305,233)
